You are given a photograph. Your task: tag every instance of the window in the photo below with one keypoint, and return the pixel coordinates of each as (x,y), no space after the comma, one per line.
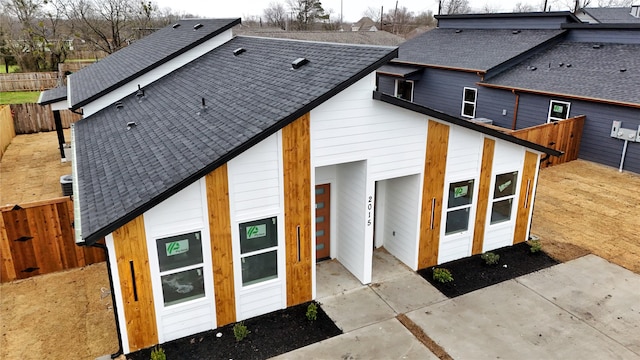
(558,110)
(181,266)
(504,192)
(404,89)
(469,97)
(459,206)
(259,251)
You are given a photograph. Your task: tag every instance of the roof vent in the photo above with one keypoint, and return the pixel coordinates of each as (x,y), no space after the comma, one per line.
(176,25)
(119,105)
(597,46)
(515,32)
(532,68)
(299,62)
(561,64)
(197,26)
(568,65)
(458,31)
(623,70)
(203,107)
(239,51)
(131,124)
(140,93)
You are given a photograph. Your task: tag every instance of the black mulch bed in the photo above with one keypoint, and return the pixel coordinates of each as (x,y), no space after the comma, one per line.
(271,334)
(472,273)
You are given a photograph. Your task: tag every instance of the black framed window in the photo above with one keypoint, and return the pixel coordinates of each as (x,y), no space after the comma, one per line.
(504,191)
(404,89)
(469,99)
(259,250)
(460,200)
(558,110)
(181,267)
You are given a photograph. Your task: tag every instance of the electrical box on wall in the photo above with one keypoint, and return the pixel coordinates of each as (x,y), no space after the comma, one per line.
(618,132)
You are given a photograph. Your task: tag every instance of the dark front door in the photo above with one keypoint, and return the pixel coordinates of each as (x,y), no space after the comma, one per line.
(323,195)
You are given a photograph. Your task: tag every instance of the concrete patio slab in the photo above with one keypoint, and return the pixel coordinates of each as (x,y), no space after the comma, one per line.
(356,308)
(601,294)
(407,292)
(386,266)
(332,279)
(509,321)
(383,340)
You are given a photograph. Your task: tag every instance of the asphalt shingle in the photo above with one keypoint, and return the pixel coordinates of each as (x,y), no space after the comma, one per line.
(121,172)
(472,49)
(148,53)
(613,15)
(579,69)
(53,95)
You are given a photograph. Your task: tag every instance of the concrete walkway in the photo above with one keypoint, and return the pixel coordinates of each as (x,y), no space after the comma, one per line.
(587,308)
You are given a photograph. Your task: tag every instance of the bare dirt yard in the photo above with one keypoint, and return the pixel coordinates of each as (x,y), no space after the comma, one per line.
(583,207)
(65,315)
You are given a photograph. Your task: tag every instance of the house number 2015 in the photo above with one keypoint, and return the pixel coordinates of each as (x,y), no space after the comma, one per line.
(369,209)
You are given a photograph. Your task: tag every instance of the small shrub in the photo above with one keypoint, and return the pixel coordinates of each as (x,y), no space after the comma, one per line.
(535,246)
(312,312)
(490,258)
(158,354)
(442,275)
(240,331)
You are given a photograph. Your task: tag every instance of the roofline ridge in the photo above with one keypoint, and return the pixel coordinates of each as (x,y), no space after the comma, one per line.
(316,42)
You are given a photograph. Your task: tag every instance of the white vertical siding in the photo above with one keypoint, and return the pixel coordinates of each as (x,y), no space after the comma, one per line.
(401,209)
(182,213)
(351,217)
(256,192)
(464,157)
(507,157)
(352,126)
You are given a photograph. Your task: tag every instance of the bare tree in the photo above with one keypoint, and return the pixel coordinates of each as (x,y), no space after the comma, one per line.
(615,3)
(449,7)
(276,15)
(400,19)
(306,13)
(425,18)
(372,13)
(489,9)
(520,7)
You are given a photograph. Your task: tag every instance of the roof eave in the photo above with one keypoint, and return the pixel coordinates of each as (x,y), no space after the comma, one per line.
(104,231)
(441,67)
(463,123)
(120,83)
(557,94)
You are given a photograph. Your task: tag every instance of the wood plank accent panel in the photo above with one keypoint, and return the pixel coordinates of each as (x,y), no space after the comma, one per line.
(484,189)
(221,251)
(38,238)
(130,243)
(564,135)
(432,192)
(525,197)
(296,153)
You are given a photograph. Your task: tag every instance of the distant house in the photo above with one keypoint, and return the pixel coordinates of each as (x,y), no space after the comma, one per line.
(612,15)
(364,24)
(220,181)
(521,70)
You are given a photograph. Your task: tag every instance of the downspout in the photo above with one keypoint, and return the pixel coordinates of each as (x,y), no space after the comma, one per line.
(515,110)
(113,299)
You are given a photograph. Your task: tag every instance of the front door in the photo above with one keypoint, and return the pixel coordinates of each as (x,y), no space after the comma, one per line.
(323,195)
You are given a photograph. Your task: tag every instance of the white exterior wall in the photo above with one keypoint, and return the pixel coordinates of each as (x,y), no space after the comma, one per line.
(184,212)
(351,218)
(117,292)
(256,192)
(153,75)
(464,157)
(401,218)
(352,127)
(507,158)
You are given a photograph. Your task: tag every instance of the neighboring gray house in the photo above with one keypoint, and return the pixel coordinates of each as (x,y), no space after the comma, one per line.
(612,15)
(521,70)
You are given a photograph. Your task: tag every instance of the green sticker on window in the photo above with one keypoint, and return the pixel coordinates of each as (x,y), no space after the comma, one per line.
(177,247)
(504,186)
(460,191)
(558,108)
(256,231)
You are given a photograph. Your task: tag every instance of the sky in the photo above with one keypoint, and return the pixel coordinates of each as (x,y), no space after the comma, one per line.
(352,10)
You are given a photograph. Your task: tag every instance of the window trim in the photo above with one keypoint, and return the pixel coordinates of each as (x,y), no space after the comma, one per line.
(512,197)
(413,86)
(464,102)
(450,208)
(551,102)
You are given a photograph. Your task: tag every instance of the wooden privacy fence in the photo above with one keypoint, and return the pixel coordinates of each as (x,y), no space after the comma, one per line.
(38,238)
(563,135)
(33,118)
(7,130)
(33,81)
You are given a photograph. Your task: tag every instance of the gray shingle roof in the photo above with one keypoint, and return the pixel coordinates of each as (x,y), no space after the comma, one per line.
(478,50)
(142,56)
(382,38)
(122,173)
(613,15)
(594,73)
(53,95)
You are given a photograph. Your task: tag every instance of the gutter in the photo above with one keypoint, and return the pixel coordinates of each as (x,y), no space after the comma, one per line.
(113,299)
